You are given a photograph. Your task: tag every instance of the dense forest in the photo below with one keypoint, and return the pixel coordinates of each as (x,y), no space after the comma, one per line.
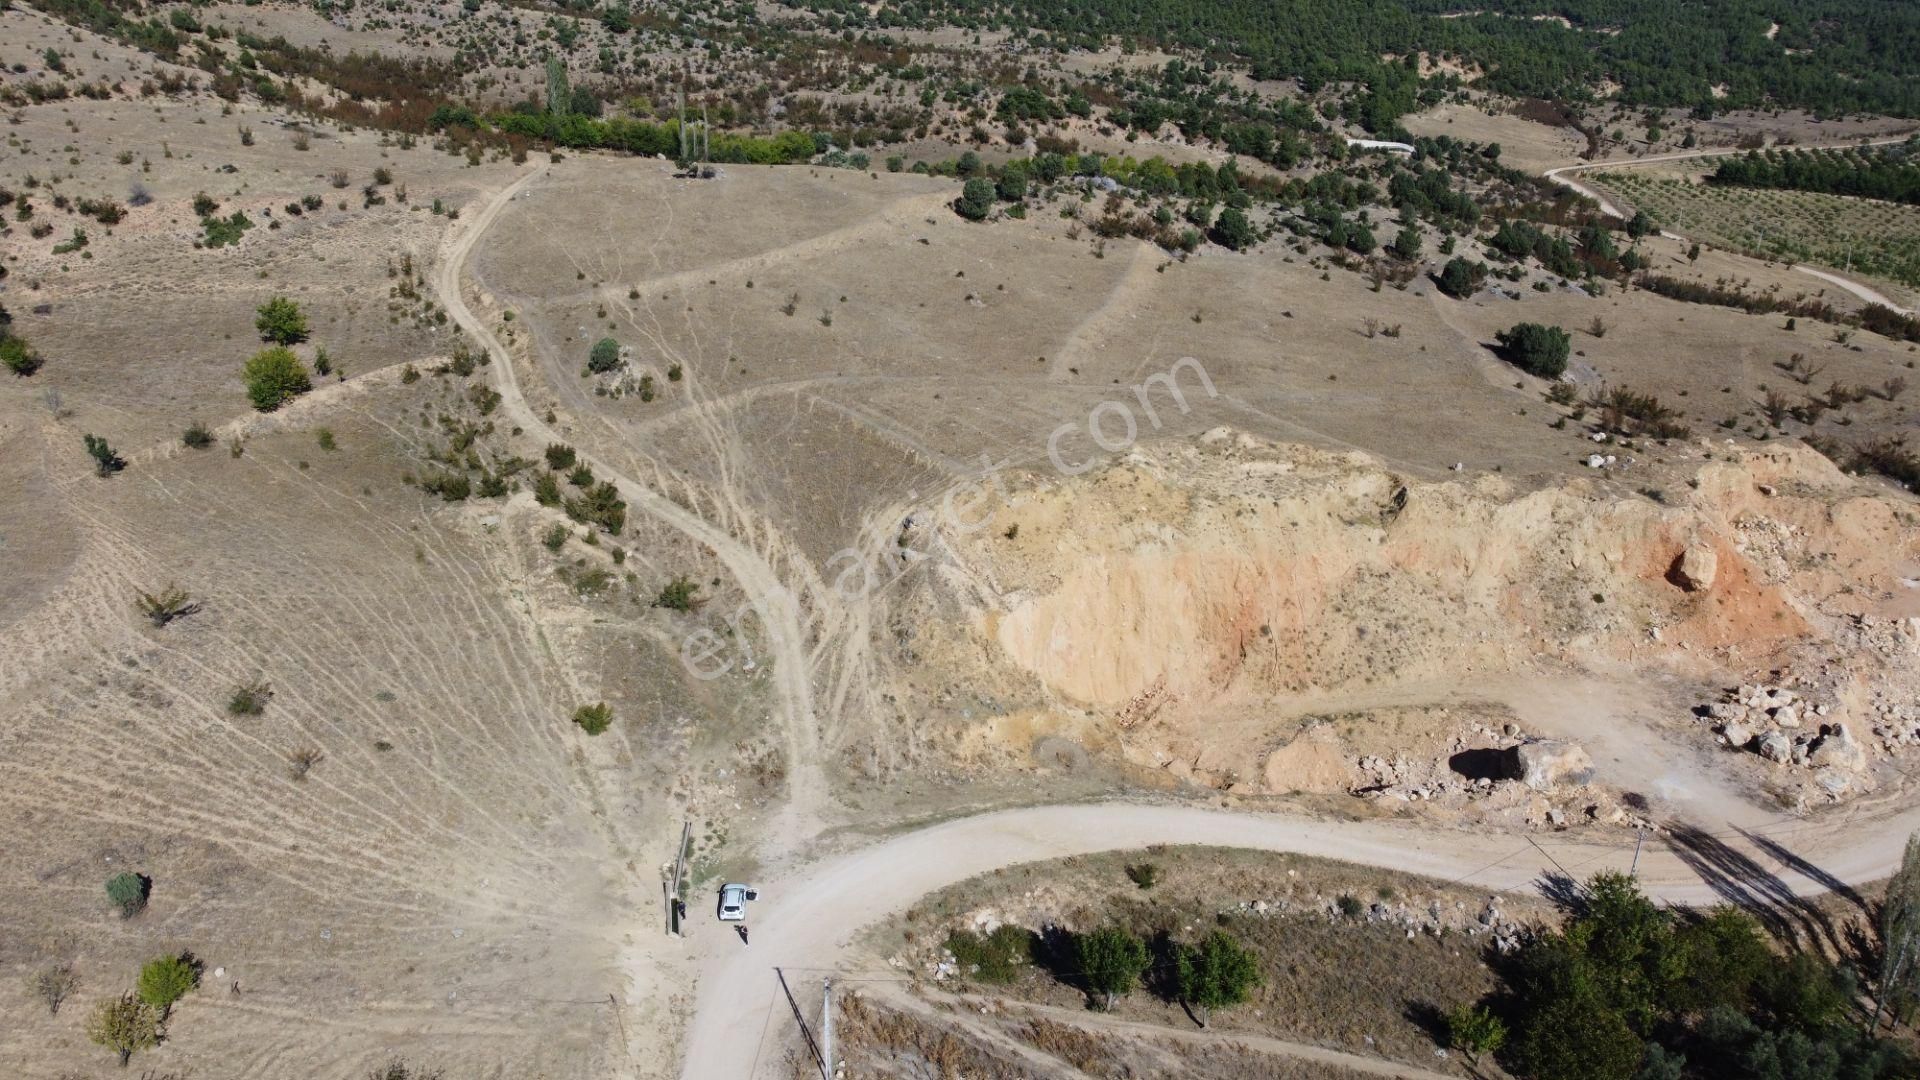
(1891,173)
(1829,56)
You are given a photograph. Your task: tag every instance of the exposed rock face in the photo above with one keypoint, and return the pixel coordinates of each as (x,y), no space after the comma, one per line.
(1697,568)
(1547,762)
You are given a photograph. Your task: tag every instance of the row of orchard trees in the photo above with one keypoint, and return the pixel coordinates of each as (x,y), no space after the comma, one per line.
(1891,174)
(1109,962)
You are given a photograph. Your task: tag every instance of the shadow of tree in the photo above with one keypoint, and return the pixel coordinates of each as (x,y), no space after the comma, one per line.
(1740,880)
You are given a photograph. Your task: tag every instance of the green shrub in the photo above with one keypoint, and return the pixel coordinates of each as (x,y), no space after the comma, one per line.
(1144,875)
(220,232)
(1536,349)
(128,891)
(18,357)
(560,457)
(196,436)
(1233,230)
(106,461)
(546,490)
(593,719)
(555,537)
(281,321)
(249,699)
(274,377)
(604,356)
(996,957)
(678,595)
(451,486)
(1474,1030)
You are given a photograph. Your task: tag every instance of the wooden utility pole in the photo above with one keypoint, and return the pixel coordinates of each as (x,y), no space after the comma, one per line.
(683,112)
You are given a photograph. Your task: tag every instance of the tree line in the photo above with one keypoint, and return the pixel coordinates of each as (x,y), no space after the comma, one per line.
(1889,174)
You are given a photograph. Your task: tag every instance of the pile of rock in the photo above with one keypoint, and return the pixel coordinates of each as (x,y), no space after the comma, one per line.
(1790,729)
(1895,724)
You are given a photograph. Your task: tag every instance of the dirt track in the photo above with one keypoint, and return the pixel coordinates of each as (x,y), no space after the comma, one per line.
(1561,176)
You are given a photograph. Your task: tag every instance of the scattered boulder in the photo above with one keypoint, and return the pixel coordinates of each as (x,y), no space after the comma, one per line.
(1737,734)
(1775,747)
(1839,750)
(1546,762)
(1696,568)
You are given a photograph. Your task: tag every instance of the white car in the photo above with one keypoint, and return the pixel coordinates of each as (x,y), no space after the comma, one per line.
(733,901)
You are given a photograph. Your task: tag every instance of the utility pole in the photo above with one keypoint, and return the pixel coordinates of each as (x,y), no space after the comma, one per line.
(683,112)
(826,1026)
(679,875)
(1638,836)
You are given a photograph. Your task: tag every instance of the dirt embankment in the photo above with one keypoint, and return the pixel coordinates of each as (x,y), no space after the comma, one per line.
(1197,604)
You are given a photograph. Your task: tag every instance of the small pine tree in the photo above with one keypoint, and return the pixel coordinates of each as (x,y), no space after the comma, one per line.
(105,461)
(1900,934)
(976,199)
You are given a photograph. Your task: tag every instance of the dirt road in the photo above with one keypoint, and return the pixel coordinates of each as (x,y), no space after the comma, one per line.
(806,922)
(1564,177)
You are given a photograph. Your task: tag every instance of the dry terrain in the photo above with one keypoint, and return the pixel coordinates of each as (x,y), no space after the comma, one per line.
(918,518)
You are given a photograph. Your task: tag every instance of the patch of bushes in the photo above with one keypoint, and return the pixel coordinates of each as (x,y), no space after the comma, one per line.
(593,719)
(995,957)
(281,321)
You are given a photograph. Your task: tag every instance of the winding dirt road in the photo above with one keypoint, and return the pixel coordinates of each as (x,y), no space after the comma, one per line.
(810,913)
(1565,173)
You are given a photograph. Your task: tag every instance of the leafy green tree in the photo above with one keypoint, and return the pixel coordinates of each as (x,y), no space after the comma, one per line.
(1217,973)
(1536,349)
(123,1025)
(1013,182)
(976,200)
(1640,225)
(106,461)
(166,980)
(968,165)
(1233,230)
(274,377)
(1474,1030)
(1111,961)
(604,356)
(281,321)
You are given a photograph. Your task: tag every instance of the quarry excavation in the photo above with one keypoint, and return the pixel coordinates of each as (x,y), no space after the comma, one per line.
(647,540)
